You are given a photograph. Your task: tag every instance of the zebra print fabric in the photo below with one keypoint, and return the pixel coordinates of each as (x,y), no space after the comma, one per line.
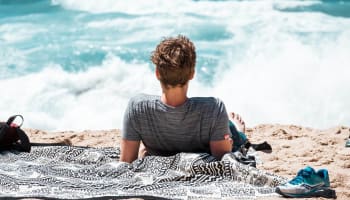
(83,173)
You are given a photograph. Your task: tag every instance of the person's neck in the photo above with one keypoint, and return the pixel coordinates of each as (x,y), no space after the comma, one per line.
(174,96)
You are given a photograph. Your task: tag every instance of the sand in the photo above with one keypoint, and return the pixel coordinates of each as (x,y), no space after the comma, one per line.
(294,147)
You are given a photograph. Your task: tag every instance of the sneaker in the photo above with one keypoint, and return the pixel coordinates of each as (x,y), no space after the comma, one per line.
(308,183)
(347,144)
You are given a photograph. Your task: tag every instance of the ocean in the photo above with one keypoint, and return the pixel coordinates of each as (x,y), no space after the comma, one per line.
(74,64)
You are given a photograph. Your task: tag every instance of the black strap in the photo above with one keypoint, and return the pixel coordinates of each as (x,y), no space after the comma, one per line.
(264,147)
(12,118)
(49,144)
(38,144)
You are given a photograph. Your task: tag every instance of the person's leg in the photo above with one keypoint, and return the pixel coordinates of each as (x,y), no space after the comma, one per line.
(237,128)
(239,138)
(238,122)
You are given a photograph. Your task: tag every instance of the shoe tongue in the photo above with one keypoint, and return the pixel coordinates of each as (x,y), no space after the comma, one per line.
(307,171)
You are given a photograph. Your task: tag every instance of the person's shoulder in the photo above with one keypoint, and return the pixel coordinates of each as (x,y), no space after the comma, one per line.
(141,99)
(207,100)
(209,105)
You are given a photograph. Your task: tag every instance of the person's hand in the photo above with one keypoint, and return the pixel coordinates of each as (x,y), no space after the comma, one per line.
(221,147)
(142,151)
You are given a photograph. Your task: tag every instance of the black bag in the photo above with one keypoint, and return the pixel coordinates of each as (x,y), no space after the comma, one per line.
(13,137)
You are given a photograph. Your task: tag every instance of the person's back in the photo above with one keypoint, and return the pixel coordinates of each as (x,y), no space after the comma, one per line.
(172,122)
(166,130)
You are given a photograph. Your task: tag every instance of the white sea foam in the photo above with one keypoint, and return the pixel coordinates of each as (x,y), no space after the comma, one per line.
(305,90)
(270,66)
(54,99)
(132,7)
(311,89)
(11,33)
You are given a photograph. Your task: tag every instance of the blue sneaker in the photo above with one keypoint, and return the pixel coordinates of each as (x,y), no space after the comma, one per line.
(347,143)
(308,183)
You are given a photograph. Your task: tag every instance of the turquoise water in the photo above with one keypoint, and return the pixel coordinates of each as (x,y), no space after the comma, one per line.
(73,64)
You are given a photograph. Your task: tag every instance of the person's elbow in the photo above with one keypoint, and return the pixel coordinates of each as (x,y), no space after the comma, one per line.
(128,150)
(220,148)
(127,159)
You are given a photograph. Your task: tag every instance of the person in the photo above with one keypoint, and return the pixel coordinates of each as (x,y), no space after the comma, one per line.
(237,129)
(173,122)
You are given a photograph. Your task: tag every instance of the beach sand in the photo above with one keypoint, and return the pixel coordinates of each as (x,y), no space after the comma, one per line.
(294,147)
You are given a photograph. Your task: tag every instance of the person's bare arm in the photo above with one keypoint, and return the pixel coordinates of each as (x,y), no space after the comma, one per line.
(220,147)
(129,150)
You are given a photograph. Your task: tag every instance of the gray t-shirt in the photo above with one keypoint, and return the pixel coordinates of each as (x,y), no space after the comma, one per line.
(167,130)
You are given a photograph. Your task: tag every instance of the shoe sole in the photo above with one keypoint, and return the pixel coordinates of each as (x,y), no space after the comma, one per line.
(320,192)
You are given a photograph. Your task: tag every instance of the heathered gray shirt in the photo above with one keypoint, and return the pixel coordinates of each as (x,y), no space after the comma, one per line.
(167,130)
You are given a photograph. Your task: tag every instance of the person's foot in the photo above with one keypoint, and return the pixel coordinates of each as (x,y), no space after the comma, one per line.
(238,121)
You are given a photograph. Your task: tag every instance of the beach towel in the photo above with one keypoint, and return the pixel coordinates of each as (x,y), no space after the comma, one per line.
(67,172)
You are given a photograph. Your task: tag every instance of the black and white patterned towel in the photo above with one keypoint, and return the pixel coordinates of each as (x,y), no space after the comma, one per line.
(65,172)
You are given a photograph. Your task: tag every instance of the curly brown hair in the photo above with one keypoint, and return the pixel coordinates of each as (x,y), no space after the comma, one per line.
(175,59)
